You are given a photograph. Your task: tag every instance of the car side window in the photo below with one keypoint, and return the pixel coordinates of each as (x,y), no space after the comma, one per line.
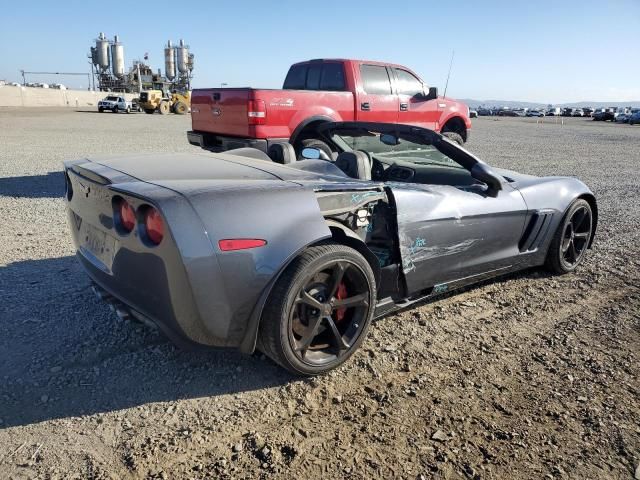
(296,78)
(375,79)
(408,84)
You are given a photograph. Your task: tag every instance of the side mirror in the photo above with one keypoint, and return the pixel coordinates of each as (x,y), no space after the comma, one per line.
(432,94)
(311,153)
(389,139)
(483,173)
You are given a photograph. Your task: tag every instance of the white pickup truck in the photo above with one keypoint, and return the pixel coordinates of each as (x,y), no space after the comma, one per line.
(117,104)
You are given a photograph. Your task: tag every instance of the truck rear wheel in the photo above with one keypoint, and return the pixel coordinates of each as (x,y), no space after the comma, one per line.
(164,108)
(180,108)
(454,137)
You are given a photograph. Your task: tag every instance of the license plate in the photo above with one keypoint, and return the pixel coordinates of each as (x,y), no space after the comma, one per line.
(99,245)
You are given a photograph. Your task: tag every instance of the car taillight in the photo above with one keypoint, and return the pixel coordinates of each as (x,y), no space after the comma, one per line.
(153,225)
(126,216)
(256,112)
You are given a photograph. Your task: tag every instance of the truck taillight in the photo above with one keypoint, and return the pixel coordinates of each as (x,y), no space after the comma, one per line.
(256,112)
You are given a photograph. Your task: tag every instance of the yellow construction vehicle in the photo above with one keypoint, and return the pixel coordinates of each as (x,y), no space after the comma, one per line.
(165,102)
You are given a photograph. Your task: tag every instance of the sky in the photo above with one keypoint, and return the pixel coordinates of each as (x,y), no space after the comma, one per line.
(542,51)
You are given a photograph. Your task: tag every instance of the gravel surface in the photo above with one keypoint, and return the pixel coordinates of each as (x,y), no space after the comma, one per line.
(529,376)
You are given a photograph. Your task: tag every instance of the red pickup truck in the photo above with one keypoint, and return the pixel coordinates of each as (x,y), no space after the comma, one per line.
(320,91)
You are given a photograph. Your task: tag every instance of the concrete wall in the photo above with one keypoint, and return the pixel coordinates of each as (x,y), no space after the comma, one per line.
(11,96)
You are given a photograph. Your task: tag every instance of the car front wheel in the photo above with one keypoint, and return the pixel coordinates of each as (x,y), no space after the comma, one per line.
(572,238)
(319,310)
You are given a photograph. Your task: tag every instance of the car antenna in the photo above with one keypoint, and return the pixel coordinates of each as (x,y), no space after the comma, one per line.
(453,52)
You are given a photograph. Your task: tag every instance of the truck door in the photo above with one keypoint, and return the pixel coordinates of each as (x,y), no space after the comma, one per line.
(375,99)
(413,108)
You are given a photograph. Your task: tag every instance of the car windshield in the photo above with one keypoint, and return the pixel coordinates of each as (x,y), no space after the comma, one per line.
(405,150)
(112,99)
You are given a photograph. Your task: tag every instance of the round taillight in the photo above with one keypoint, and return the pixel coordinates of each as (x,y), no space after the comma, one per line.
(127,216)
(154,226)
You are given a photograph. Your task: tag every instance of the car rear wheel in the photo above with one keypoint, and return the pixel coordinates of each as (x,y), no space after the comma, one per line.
(571,240)
(319,311)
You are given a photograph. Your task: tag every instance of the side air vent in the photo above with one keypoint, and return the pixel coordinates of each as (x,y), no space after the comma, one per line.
(536,231)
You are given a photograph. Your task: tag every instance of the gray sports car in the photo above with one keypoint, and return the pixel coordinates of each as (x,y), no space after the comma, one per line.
(294,253)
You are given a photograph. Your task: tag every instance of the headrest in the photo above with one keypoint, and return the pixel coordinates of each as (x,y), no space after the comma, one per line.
(282,153)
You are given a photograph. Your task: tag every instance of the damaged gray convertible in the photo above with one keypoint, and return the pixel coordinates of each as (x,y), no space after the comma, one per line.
(295,252)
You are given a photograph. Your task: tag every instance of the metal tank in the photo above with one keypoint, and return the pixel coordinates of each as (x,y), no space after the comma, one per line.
(170,61)
(102,52)
(183,57)
(117,57)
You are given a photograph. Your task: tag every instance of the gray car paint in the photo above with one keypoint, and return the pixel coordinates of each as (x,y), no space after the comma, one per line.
(199,295)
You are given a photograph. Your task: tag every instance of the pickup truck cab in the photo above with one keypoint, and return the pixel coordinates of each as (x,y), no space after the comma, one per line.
(115,104)
(318,91)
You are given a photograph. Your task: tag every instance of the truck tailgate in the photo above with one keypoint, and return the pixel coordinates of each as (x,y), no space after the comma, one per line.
(222,111)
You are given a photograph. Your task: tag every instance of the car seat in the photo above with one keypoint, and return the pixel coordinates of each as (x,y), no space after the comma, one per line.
(282,153)
(356,164)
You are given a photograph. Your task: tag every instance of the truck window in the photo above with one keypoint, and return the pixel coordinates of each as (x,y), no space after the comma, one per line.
(296,78)
(375,79)
(313,77)
(332,77)
(408,84)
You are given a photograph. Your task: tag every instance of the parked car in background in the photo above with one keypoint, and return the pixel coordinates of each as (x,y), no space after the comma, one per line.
(621,114)
(604,114)
(534,113)
(554,111)
(320,91)
(588,111)
(577,112)
(473,114)
(510,113)
(484,112)
(634,117)
(567,112)
(114,104)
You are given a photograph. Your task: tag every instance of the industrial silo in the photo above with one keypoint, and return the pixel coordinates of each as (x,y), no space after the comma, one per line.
(170,61)
(102,52)
(117,58)
(183,57)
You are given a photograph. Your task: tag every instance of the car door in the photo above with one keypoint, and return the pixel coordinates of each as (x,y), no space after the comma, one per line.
(449,233)
(376,101)
(414,109)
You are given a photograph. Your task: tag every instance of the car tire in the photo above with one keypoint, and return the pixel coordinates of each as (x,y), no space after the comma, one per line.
(454,137)
(301,328)
(115,109)
(314,143)
(572,238)
(128,109)
(100,110)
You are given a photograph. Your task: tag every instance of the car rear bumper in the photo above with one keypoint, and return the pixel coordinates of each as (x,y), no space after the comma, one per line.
(221,143)
(161,284)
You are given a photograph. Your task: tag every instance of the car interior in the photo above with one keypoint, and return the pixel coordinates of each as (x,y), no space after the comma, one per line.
(360,165)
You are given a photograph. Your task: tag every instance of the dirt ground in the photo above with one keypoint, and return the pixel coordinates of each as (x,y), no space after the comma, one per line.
(529,376)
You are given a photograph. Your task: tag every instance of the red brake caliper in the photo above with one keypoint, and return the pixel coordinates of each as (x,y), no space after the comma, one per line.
(341,294)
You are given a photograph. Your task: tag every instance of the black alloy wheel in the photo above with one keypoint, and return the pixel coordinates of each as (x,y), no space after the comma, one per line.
(319,310)
(329,313)
(572,239)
